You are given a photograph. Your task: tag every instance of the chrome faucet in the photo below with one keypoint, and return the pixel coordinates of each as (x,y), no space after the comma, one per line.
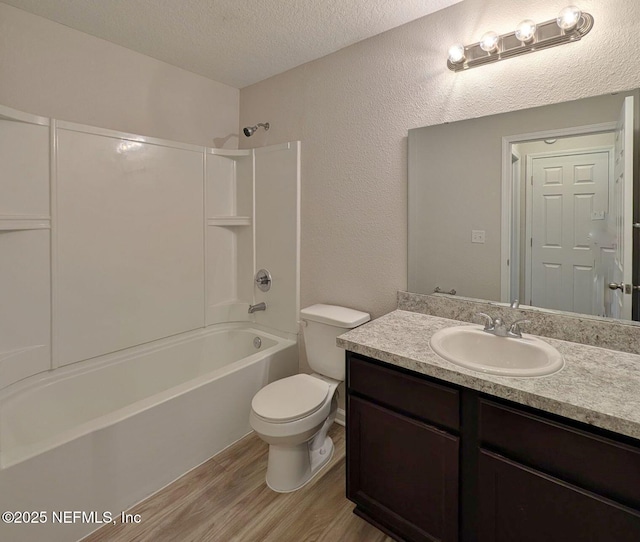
(258,307)
(515,303)
(514,328)
(497,326)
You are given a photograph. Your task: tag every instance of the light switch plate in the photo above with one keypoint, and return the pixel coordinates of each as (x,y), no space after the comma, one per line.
(477,236)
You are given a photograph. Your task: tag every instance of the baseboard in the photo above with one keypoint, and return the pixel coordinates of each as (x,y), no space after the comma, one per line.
(341,417)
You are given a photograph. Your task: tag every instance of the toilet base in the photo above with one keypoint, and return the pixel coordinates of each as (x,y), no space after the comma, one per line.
(291,467)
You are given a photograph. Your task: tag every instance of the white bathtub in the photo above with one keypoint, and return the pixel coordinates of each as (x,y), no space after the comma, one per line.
(101,437)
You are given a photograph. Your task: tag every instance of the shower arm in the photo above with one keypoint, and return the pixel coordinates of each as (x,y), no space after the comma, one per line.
(250,130)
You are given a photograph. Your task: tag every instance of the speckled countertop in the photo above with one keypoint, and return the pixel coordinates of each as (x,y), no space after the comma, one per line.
(596,386)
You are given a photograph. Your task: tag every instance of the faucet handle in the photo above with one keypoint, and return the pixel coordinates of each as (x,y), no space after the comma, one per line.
(489,322)
(514,329)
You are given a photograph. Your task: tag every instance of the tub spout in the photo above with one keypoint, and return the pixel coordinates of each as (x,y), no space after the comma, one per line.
(258,307)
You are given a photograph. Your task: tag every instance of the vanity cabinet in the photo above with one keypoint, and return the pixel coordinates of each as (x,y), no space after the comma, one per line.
(524,504)
(403,450)
(404,472)
(542,479)
(428,460)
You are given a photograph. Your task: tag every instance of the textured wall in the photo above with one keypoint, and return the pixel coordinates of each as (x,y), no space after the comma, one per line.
(238,43)
(352,110)
(51,70)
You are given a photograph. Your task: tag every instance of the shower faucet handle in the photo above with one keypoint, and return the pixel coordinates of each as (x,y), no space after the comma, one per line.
(263,280)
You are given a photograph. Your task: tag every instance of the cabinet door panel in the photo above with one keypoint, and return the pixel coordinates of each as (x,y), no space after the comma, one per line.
(402,472)
(598,464)
(519,503)
(418,397)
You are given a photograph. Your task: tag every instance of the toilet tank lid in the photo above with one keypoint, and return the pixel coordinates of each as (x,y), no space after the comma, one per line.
(335,315)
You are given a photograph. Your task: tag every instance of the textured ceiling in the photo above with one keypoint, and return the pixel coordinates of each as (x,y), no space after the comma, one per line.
(237,42)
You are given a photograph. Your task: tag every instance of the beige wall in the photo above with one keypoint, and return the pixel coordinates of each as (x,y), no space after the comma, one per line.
(51,70)
(352,110)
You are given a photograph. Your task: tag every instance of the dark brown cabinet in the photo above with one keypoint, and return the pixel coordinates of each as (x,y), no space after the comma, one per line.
(403,472)
(427,460)
(523,504)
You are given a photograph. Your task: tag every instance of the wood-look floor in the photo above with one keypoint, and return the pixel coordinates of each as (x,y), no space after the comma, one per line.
(226,499)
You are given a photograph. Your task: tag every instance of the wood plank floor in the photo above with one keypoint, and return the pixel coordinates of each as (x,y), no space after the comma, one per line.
(226,499)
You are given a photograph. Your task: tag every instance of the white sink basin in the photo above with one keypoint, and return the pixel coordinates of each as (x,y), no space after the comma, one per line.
(471,347)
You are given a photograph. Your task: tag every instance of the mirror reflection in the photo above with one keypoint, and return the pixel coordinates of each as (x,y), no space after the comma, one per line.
(533,205)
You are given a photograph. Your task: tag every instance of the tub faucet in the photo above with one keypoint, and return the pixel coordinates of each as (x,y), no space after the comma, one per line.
(258,307)
(515,303)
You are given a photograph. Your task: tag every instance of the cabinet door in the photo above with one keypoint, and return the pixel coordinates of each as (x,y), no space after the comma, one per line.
(519,503)
(402,472)
(577,456)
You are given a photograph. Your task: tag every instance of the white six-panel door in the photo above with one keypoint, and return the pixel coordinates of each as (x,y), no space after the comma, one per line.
(568,192)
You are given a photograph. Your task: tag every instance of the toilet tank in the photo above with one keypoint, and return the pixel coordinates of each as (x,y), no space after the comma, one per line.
(323,324)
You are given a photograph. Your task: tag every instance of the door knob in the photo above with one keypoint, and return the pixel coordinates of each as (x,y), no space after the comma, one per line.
(626,288)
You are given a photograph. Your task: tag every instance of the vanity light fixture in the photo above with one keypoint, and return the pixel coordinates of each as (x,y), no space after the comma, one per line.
(489,42)
(456,54)
(570,25)
(569,17)
(526,31)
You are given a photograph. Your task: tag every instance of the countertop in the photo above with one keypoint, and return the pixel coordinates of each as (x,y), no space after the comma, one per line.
(596,386)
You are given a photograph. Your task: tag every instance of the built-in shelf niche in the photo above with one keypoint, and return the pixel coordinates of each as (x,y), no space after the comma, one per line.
(20,223)
(229,234)
(25,261)
(229,221)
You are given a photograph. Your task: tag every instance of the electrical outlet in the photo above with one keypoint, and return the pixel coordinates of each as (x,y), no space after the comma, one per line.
(477,236)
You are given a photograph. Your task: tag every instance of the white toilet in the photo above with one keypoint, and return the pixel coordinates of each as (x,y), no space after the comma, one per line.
(294,414)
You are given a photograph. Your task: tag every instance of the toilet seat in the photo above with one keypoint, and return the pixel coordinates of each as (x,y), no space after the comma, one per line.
(290,399)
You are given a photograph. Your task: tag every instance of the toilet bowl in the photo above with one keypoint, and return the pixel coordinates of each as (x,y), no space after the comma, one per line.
(287,415)
(294,414)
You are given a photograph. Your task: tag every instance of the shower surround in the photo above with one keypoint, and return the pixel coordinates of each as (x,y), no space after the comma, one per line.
(128,268)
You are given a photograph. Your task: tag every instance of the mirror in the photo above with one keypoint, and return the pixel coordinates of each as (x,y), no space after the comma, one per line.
(529,205)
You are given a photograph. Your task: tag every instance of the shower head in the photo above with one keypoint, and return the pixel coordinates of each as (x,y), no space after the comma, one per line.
(250,130)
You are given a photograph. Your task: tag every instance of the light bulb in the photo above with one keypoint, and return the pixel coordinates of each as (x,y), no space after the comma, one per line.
(489,42)
(456,54)
(569,17)
(525,31)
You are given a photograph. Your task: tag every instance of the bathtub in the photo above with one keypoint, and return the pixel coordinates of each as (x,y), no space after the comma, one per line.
(99,437)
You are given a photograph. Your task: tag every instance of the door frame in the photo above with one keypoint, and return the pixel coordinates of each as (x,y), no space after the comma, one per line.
(515,286)
(506,214)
